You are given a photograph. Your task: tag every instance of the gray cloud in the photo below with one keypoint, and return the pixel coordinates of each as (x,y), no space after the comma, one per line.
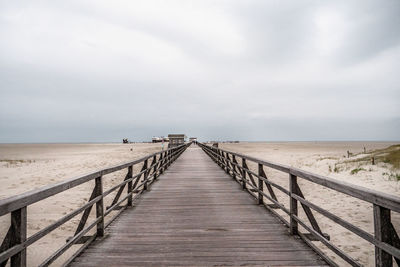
(258,70)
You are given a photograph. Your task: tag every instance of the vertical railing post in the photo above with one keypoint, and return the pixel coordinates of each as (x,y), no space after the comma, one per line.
(146,174)
(18,225)
(260,184)
(167,160)
(234,167)
(130,185)
(155,167)
(223,160)
(243,174)
(293,204)
(99,206)
(382,231)
(161,159)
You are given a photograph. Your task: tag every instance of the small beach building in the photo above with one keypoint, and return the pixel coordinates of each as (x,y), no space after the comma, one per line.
(156,139)
(193,139)
(176,140)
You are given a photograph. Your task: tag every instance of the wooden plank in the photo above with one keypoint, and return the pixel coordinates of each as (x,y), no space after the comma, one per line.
(99,207)
(260,185)
(130,185)
(19,232)
(293,204)
(244,174)
(146,174)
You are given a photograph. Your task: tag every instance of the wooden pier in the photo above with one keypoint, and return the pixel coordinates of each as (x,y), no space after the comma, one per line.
(207,209)
(196,215)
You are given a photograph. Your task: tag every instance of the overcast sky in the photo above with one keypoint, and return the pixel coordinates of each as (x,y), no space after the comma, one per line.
(78,71)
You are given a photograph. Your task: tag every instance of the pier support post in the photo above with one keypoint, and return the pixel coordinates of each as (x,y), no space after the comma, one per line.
(293,204)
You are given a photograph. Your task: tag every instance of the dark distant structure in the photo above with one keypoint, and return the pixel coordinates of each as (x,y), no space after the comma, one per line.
(125,141)
(176,140)
(156,139)
(161,139)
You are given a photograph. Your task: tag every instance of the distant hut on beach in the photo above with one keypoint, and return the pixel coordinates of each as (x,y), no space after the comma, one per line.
(156,139)
(193,139)
(176,140)
(161,139)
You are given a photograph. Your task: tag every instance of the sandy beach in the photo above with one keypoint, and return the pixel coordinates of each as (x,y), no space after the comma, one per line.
(28,166)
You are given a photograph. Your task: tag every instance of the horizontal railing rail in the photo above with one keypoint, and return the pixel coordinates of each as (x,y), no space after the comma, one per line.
(385,238)
(15,242)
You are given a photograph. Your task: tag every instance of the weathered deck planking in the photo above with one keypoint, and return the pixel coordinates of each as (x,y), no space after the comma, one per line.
(197,215)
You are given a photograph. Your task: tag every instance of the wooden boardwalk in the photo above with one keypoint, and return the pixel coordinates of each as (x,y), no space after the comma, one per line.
(197,215)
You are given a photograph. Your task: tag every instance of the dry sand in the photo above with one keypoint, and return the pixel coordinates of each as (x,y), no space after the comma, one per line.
(320,158)
(25,167)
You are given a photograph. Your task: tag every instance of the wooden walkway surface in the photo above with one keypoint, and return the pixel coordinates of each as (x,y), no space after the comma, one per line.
(197,215)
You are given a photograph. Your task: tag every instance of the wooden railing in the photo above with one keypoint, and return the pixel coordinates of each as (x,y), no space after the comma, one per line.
(385,238)
(16,242)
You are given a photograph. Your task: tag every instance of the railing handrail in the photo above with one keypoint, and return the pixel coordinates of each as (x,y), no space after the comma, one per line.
(13,203)
(369,195)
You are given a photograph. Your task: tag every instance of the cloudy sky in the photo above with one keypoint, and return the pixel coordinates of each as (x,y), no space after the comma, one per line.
(78,71)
